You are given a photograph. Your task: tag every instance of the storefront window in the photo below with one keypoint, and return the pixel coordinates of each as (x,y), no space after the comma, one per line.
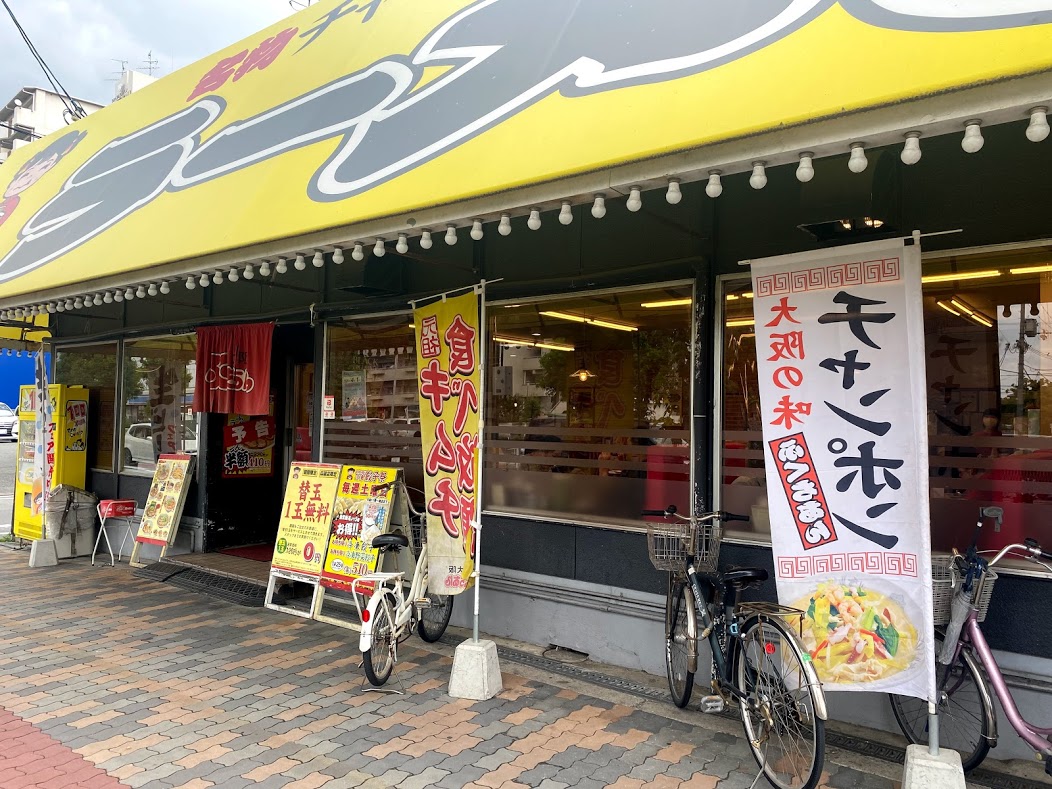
(371,374)
(94,366)
(587,412)
(988,354)
(158,378)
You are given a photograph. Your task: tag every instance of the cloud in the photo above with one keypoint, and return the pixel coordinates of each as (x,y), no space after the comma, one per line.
(82,40)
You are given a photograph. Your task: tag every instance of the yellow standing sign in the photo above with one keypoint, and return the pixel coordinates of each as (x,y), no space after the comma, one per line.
(303,528)
(363,510)
(450,386)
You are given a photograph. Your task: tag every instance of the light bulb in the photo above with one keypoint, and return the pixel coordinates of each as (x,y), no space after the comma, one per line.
(217,278)
(129,295)
(281,266)
(805,171)
(264,268)
(534,222)
(233,275)
(358,253)
(635,200)
(566,214)
(379,249)
(714,188)
(51,305)
(599,206)
(3,315)
(140,292)
(204,281)
(857,162)
(674,195)
(337,256)
(96,300)
(504,228)
(106,299)
(60,306)
(451,235)
(69,304)
(582,376)
(318,260)
(249,272)
(190,284)
(1037,131)
(152,290)
(973,137)
(758,179)
(18,354)
(165,289)
(301,262)
(402,246)
(118,296)
(476,230)
(425,240)
(77,304)
(911,151)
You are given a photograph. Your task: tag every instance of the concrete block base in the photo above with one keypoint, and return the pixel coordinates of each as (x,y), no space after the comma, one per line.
(476,671)
(925,771)
(43,553)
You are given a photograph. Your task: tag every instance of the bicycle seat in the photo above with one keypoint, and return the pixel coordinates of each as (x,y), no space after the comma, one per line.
(386,541)
(739,578)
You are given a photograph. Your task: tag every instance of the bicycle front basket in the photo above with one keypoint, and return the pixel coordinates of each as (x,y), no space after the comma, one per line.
(670,543)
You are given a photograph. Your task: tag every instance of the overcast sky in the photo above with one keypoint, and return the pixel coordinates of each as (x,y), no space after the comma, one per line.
(82,39)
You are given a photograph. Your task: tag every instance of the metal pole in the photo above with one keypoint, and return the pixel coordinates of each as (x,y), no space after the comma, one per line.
(933,729)
(483,375)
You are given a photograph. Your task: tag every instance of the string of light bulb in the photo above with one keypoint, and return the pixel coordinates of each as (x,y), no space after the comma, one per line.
(972,141)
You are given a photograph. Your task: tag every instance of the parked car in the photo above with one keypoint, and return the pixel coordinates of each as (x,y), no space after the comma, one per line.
(8,423)
(139,448)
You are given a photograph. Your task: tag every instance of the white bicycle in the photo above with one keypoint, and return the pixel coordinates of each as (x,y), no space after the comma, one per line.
(391,616)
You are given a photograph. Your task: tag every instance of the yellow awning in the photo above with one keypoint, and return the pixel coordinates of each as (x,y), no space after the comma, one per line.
(350,111)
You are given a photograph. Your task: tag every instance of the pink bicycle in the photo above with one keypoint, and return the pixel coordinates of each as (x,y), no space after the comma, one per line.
(967,717)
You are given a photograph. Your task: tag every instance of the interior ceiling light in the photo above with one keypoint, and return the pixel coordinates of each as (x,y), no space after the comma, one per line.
(961,275)
(569,316)
(847,228)
(738,322)
(582,374)
(948,308)
(669,303)
(1031,269)
(551,346)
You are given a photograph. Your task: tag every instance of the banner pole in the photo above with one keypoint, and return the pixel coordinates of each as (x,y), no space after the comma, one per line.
(483,345)
(933,729)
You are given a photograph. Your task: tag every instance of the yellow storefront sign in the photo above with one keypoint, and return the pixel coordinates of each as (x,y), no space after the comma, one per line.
(303,528)
(362,511)
(450,386)
(348,112)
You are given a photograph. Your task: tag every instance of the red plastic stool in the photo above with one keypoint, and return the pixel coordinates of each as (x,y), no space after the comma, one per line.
(112,508)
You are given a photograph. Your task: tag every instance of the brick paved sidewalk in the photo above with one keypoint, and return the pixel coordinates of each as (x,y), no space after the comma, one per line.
(108,680)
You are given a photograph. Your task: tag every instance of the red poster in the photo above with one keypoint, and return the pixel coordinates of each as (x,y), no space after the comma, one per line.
(233,369)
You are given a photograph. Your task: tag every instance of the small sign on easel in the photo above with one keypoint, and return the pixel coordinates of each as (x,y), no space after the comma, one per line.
(303,530)
(164,505)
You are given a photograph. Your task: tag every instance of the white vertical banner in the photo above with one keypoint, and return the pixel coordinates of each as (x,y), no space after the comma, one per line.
(840,359)
(45,436)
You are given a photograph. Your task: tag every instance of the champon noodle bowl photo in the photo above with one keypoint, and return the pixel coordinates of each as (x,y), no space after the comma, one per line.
(855,633)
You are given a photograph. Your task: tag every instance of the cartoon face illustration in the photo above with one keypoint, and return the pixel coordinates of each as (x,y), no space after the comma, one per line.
(39,165)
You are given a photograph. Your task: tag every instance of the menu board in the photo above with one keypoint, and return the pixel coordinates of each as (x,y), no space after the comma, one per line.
(362,511)
(305,514)
(164,505)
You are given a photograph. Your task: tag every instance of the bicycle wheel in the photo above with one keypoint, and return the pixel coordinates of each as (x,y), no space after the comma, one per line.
(379,659)
(785,735)
(433,620)
(966,711)
(680,677)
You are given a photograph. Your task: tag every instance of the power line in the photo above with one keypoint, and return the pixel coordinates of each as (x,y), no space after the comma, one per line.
(32,135)
(71,104)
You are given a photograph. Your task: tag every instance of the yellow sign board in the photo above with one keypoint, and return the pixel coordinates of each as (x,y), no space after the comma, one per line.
(450,385)
(362,511)
(305,515)
(351,111)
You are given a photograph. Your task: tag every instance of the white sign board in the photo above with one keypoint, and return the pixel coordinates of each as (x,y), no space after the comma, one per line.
(846,447)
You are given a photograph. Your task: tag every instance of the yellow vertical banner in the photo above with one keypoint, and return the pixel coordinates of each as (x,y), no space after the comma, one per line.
(449,385)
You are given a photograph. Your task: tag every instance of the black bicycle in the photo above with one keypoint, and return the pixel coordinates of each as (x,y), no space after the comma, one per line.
(758,661)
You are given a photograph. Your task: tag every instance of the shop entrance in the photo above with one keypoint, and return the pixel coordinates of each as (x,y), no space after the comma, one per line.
(242,506)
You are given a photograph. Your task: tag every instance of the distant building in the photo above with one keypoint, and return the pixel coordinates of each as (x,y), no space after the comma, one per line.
(32,113)
(131,81)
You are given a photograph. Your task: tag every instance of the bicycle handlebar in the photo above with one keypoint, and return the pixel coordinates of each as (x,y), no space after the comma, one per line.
(708,516)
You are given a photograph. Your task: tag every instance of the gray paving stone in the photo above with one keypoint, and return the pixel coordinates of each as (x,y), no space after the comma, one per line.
(422,780)
(461,777)
(497,758)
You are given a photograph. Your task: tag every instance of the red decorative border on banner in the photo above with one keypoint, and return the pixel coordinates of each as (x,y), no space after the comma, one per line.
(871,562)
(825,277)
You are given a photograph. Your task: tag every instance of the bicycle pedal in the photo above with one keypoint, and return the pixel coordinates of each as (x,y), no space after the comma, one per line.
(712,704)
(422,603)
